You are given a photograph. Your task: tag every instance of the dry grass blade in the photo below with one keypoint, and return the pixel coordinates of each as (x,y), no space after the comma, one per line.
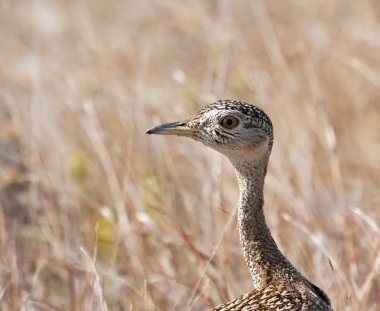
(226,228)
(81,81)
(97,288)
(336,283)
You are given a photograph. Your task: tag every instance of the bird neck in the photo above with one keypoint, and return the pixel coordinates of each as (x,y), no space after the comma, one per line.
(261,253)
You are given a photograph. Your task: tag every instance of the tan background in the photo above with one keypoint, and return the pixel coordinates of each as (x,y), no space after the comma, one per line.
(95,214)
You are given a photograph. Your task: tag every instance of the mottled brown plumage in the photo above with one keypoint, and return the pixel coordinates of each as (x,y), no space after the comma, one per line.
(244,134)
(273,298)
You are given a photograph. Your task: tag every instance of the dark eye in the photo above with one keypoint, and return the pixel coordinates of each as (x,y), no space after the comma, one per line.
(229,122)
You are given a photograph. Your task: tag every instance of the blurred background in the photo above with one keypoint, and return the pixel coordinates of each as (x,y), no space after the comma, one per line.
(96,215)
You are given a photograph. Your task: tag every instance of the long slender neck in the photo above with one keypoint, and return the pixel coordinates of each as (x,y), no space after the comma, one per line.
(264,259)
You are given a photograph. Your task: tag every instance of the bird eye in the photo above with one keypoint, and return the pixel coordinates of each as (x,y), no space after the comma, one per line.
(229,122)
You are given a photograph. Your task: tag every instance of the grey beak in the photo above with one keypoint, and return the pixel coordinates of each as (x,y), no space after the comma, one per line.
(179,128)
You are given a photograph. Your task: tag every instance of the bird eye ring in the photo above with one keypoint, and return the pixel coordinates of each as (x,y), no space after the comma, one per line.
(229,122)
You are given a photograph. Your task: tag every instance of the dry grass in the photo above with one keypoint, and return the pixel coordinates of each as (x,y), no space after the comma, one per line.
(95,215)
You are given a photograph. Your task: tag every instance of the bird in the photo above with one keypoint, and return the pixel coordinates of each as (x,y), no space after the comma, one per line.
(244,134)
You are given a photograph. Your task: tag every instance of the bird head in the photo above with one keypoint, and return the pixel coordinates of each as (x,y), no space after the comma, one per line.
(236,129)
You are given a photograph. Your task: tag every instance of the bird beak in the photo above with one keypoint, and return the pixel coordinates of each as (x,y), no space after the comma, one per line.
(179,128)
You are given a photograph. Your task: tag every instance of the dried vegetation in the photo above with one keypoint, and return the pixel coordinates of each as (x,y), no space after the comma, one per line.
(95,215)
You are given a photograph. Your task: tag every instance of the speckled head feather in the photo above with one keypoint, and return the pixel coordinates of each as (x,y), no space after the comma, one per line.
(234,128)
(257,116)
(253,128)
